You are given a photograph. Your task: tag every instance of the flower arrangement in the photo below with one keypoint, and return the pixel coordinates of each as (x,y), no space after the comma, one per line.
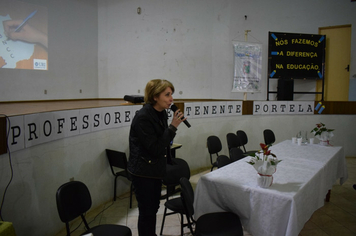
(320,128)
(266,156)
(322,133)
(265,163)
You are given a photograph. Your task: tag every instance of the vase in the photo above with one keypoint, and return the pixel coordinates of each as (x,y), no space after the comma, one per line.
(324,138)
(264,181)
(324,142)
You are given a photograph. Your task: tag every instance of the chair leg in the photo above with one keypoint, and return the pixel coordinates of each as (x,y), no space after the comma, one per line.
(164,218)
(190,226)
(115,188)
(131,196)
(67,228)
(181,224)
(212,168)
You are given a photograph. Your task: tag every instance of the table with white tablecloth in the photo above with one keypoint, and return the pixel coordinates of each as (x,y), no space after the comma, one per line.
(300,184)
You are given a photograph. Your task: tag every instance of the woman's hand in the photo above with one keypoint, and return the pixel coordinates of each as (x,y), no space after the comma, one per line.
(177,118)
(27,33)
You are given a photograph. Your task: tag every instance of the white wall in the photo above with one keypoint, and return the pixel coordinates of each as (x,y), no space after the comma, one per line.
(190,42)
(39,171)
(107,50)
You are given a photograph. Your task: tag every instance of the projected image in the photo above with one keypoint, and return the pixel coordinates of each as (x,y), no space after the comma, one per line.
(23,36)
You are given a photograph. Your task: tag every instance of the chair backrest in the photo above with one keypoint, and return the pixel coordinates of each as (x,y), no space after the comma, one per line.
(73,200)
(236,154)
(223,160)
(232,141)
(116,159)
(242,138)
(268,136)
(175,172)
(214,144)
(187,195)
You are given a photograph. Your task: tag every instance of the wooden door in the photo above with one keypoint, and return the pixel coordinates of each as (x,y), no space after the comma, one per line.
(337,60)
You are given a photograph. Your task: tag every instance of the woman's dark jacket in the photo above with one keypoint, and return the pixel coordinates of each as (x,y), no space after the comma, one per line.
(149,140)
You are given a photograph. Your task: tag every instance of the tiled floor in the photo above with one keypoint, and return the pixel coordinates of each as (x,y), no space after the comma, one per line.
(337,217)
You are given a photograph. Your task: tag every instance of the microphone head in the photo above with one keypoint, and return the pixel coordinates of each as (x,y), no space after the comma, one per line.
(174,107)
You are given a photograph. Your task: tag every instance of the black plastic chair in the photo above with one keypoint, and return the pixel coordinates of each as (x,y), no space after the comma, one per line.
(210,224)
(241,135)
(236,154)
(74,200)
(269,137)
(214,147)
(175,172)
(223,160)
(118,160)
(232,141)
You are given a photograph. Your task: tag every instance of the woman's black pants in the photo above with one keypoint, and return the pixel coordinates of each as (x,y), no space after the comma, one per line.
(148,193)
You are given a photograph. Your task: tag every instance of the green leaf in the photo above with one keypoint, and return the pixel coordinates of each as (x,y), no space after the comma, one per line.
(275,162)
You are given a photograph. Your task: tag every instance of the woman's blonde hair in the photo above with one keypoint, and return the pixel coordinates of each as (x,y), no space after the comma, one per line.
(154,88)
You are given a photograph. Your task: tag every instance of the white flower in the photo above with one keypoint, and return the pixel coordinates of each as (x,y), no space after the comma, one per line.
(264,162)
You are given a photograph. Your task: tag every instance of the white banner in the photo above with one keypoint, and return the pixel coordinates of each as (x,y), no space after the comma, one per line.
(212,109)
(283,107)
(34,129)
(247,67)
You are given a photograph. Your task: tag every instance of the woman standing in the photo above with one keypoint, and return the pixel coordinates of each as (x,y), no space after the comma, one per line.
(150,139)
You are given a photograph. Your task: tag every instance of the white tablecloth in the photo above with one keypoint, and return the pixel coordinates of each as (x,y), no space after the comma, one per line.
(300,185)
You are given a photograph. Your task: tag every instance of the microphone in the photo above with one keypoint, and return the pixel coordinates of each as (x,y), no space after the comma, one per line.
(174,108)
